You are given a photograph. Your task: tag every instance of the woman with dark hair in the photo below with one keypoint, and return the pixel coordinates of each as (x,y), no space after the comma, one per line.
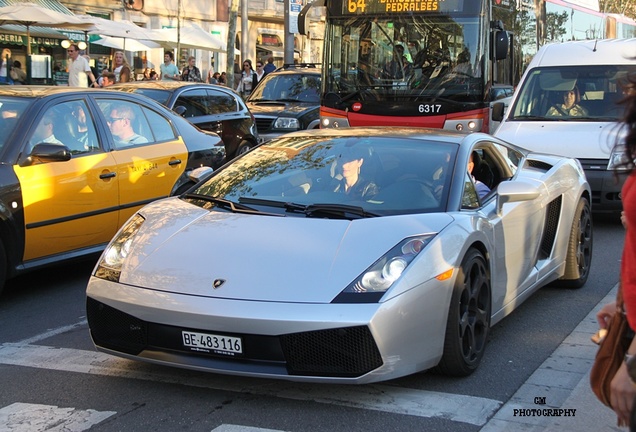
(570,105)
(623,387)
(248,79)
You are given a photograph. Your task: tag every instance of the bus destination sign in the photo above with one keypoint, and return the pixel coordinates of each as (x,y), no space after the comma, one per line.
(369,7)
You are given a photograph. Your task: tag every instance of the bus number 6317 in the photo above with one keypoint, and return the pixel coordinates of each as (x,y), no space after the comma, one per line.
(429,108)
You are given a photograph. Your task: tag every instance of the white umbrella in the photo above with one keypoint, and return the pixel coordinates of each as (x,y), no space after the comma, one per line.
(191,36)
(126,45)
(29,14)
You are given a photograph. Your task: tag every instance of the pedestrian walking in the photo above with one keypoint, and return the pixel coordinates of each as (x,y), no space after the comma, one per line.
(247,80)
(270,66)
(191,72)
(5,67)
(121,68)
(79,71)
(260,72)
(168,71)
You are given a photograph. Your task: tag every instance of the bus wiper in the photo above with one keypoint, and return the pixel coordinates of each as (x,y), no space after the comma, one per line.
(339,211)
(234,207)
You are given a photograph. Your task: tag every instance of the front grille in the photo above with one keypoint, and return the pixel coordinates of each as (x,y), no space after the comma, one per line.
(344,352)
(114,329)
(263,124)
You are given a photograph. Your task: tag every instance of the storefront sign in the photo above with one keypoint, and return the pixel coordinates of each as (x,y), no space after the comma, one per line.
(20,40)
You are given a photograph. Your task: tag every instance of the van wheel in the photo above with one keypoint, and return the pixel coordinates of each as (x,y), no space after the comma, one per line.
(579,254)
(468,322)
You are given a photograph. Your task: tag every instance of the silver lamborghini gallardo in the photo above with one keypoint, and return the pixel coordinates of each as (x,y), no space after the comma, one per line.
(343,256)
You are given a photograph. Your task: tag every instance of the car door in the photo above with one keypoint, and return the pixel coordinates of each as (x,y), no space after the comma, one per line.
(516,232)
(68,205)
(148,170)
(197,110)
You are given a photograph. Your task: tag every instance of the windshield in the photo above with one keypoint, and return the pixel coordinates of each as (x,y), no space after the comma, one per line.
(288,88)
(378,176)
(11,110)
(161,96)
(406,57)
(574,93)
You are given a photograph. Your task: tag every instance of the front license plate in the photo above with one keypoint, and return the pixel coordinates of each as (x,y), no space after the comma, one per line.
(212,343)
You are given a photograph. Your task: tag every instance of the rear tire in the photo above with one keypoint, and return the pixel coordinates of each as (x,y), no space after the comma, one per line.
(579,254)
(468,322)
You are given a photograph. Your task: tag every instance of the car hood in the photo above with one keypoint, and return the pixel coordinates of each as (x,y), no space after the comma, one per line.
(261,258)
(581,140)
(274,108)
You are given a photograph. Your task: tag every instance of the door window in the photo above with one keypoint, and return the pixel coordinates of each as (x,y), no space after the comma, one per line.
(195,102)
(68,123)
(221,102)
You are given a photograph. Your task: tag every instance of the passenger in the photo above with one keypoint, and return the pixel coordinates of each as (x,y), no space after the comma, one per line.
(481,187)
(569,107)
(352,183)
(120,124)
(399,67)
(44,132)
(108,79)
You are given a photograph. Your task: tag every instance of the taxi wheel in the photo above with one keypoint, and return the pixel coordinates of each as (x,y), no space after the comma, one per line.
(3,266)
(468,322)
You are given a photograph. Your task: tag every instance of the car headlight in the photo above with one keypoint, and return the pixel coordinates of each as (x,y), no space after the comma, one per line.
(617,159)
(371,285)
(112,260)
(286,123)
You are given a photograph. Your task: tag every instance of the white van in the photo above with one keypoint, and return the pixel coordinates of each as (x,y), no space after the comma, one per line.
(539,118)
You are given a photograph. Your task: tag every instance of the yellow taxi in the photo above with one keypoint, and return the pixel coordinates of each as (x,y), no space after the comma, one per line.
(75,164)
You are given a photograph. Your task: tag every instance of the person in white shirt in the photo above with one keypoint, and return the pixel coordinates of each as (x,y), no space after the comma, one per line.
(79,72)
(44,132)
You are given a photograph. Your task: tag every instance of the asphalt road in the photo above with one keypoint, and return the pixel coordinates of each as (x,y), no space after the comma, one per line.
(50,373)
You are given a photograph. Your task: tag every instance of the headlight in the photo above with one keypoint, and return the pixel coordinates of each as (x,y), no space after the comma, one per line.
(111,261)
(286,123)
(377,279)
(617,159)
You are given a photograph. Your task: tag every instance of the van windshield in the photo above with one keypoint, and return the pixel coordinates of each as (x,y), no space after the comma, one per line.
(572,93)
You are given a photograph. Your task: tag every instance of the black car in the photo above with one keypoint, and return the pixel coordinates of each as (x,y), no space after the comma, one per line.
(75,164)
(211,107)
(287,100)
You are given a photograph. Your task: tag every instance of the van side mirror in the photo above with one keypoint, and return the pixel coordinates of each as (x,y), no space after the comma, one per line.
(498,109)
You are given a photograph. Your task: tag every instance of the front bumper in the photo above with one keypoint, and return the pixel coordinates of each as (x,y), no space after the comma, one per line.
(335,343)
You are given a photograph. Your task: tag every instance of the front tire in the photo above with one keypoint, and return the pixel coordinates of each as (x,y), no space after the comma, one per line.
(468,321)
(243,147)
(579,254)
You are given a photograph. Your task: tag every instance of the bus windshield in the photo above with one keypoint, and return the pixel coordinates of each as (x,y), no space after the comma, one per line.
(419,58)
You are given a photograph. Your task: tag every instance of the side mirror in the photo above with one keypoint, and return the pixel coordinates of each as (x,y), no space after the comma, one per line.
(498,109)
(198,174)
(515,191)
(501,44)
(181,110)
(46,152)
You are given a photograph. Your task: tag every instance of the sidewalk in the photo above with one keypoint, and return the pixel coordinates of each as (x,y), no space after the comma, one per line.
(564,380)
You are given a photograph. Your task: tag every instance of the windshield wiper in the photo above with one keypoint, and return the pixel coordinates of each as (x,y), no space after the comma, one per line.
(340,210)
(528,117)
(227,204)
(314,210)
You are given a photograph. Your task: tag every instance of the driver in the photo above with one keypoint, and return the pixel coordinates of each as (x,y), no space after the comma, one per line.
(569,107)
(352,183)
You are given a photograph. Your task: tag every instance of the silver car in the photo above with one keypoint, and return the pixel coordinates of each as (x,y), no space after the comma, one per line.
(278,266)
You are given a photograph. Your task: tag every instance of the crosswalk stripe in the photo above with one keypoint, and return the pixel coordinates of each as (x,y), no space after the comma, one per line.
(25,417)
(385,398)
